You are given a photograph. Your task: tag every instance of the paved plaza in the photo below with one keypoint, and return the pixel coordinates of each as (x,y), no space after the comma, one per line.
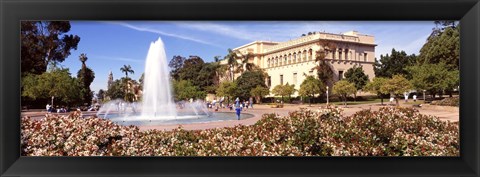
(259,110)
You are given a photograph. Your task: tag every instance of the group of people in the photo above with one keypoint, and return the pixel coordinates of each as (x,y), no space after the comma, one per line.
(241,104)
(57,109)
(406,98)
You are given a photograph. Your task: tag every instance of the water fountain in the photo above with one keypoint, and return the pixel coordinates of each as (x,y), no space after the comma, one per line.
(158,106)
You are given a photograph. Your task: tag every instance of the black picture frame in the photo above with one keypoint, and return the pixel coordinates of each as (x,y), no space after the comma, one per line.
(13,11)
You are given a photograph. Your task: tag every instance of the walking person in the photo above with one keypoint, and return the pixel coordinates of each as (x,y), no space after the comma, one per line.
(48,108)
(238,109)
(251,102)
(414,98)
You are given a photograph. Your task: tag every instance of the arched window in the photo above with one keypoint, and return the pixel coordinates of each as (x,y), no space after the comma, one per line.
(298,57)
(289,58)
(268,62)
(304,55)
(294,57)
(340,54)
(310,54)
(285,59)
(346,54)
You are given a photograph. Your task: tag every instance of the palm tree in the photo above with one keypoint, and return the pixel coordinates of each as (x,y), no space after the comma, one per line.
(127,69)
(231,58)
(246,66)
(83,58)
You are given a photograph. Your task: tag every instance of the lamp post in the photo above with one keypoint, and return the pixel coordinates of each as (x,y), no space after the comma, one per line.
(52,100)
(424,96)
(327,94)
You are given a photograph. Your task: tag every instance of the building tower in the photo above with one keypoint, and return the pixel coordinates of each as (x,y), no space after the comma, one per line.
(110,80)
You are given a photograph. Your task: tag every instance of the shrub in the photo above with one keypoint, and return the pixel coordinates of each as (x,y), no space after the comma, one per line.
(451,101)
(325,132)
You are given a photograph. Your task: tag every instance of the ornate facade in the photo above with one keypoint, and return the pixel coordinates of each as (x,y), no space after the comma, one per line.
(292,61)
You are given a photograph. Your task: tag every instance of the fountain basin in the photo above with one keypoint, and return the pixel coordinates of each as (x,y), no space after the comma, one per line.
(139,120)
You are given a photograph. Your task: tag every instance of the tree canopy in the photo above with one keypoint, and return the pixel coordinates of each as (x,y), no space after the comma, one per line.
(396,86)
(434,78)
(259,92)
(44,43)
(117,89)
(184,90)
(375,85)
(311,86)
(394,64)
(249,80)
(283,90)
(344,89)
(324,69)
(357,76)
(227,89)
(56,82)
(443,45)
(175,64)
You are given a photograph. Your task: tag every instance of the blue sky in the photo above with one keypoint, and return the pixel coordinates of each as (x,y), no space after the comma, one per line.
(111,44)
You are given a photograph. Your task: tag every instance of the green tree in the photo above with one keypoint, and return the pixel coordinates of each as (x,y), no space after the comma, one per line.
(191,69)
(290,90)
(56,82)
(344,89)
(324,69)
(248,81)
(311,86)
(117,90)
(284,90)
(227,89)
(278,90)
(101,95)
(325,72)
(375,85)
(396,86)
(443,45)
(176,64)
(207,77)
(44,43)
(356,76)
(259,92)
(184,90)
(394,64)
(435,78)
(85,77)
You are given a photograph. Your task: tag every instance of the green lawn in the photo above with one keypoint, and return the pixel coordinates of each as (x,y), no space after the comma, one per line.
(378,100)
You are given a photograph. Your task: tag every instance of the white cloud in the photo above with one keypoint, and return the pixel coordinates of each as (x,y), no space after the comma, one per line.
(119,58)
(153,30)
(272,31)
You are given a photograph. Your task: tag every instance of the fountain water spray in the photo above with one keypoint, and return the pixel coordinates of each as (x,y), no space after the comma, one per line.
(157,92)
(157,101)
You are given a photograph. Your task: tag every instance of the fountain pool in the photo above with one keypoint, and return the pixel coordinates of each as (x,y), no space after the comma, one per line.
(157,106)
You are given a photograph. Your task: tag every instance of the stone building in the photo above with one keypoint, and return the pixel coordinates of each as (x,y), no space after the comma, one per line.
(292,61)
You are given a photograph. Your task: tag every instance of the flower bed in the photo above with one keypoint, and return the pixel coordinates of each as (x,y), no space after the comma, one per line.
(450,101)
(387,132)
